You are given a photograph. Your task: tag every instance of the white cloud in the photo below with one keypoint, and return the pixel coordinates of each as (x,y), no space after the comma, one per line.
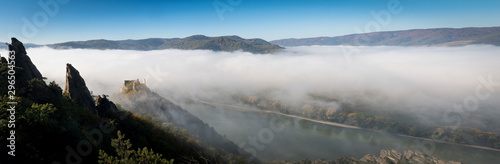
(418,77)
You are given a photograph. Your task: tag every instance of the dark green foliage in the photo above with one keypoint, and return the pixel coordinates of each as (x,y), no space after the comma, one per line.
(43,130)
(39,92)
(3,78)
(125,155)
(48,126)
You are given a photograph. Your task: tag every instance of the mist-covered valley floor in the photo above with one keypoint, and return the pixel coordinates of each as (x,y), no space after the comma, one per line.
(435,90)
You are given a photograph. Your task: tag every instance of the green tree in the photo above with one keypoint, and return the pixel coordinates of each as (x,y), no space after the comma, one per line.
(125,155)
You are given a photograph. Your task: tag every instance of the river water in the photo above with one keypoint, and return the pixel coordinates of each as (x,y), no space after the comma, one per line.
(272,136)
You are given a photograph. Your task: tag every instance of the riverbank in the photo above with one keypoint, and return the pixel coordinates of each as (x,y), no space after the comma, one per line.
(246,109)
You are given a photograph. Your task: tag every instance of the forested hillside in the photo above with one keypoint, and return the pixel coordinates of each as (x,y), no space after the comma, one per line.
(195,42)
(416,37)
(49,126)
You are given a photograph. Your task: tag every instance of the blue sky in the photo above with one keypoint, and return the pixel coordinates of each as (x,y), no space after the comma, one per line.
(267,19)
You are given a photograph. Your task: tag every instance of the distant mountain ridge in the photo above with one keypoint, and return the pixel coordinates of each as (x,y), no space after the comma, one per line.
(416,37)
(195,42)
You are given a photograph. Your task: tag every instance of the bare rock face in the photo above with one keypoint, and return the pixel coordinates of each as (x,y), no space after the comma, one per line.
(347,160)
(416,157)
(409,156)
(77,90)
(373,159)
(135,86)
(22,60)
(392,156)
(103,105)
(386,157)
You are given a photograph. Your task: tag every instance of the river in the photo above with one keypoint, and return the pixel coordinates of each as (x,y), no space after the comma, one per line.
(272,136)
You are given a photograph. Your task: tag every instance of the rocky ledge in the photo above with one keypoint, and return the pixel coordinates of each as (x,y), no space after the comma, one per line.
(386,157)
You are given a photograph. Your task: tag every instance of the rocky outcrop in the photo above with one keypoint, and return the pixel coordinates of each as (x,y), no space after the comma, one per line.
(104,106)
(22,60)
(372,159)
(134,86)
(416,157)
(392,156)
(409,156)
(77,90)
(386,157)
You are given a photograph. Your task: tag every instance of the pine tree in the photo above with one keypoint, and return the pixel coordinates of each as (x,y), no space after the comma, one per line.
(125,155)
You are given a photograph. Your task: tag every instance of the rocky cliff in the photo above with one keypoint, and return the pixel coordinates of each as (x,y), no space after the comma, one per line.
(104,106)
(29,70)
(77,90)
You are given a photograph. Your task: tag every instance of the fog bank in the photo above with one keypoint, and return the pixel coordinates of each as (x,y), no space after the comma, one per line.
(399,78)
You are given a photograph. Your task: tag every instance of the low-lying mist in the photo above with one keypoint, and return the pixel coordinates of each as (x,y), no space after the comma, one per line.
(425,80)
